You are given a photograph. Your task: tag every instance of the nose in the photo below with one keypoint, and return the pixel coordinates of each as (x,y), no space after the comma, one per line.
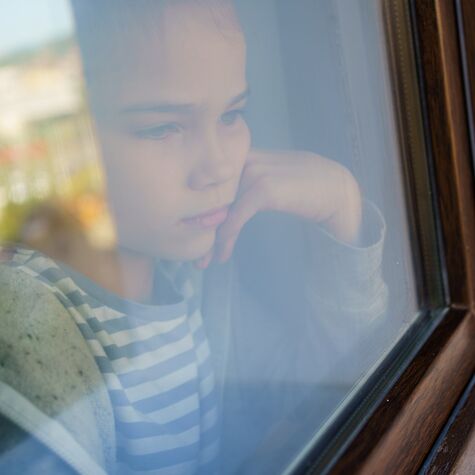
(213,166)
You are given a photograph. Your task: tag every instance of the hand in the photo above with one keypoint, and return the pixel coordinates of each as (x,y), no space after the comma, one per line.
(301,183)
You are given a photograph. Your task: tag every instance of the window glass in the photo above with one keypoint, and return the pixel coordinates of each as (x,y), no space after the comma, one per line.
(204,227)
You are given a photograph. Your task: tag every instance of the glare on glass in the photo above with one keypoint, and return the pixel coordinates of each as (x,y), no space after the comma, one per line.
(205,249)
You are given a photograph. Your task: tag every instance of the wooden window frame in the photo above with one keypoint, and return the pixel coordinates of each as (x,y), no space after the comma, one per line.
(403,422)
(454,451)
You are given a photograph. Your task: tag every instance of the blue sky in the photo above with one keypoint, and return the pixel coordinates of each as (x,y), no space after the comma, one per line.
(25,23)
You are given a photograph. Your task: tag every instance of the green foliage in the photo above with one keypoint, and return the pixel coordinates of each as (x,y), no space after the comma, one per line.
(13,217)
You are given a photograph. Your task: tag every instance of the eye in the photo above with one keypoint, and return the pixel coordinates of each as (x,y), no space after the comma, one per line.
(231,117)
(158,132)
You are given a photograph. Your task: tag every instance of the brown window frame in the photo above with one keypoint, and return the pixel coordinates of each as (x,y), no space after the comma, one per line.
(403,421)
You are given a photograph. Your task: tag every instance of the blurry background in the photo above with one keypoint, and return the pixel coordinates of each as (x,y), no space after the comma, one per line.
(51,182)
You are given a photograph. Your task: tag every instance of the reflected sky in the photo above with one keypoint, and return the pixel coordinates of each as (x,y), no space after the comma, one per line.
(26,23)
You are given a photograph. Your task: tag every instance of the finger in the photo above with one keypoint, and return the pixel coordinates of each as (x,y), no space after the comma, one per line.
(250,175)
(241,212)
(226,250)
(264,165)
(203,262)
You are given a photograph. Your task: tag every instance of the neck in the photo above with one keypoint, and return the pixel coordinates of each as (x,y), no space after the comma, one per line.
(135,273)
(125,273)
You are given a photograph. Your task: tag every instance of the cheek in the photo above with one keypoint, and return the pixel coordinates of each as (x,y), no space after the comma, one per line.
(239,145)
(142,178)
(143,164)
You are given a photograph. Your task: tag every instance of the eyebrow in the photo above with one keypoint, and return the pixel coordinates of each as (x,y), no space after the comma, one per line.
(177,108)
(239,98)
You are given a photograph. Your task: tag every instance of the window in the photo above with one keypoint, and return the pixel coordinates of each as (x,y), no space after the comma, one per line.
(235,235)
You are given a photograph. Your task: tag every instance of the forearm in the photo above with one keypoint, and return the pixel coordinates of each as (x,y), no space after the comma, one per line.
(347,297)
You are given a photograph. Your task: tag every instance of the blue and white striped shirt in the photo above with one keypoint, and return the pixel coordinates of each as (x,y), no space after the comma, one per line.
(156,364)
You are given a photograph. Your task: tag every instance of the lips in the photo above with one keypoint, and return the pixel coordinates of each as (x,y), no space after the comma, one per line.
(210,219)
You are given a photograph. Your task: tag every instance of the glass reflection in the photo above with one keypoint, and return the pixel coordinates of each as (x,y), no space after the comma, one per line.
(192,206)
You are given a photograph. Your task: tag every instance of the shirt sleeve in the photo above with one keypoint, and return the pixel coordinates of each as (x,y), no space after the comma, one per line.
(347,298)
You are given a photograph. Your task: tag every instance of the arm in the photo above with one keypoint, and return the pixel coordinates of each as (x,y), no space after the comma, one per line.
(50,385)
(327,298)
(344,297)
(347,297)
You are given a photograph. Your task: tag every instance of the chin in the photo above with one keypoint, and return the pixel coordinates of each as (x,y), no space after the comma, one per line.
(190,249)
(199,247)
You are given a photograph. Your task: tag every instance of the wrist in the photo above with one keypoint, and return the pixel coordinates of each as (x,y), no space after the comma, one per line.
(345,221)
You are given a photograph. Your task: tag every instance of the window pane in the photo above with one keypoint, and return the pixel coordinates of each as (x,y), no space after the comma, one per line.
(205,216)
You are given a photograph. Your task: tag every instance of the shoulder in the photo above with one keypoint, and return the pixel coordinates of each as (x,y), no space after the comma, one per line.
(41,347)
(28,305)
(46,361)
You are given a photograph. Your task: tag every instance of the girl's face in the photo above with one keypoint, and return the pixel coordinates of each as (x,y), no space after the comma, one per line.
(171,129)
